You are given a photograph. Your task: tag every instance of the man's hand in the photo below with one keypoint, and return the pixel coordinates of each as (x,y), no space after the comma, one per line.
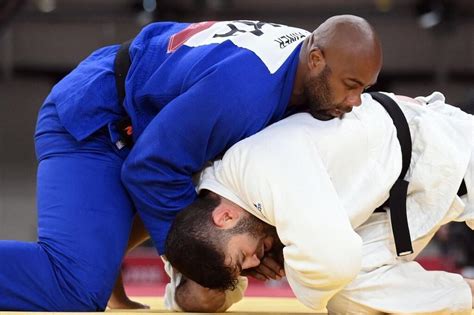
(269,268)
(271,265)
(192,297)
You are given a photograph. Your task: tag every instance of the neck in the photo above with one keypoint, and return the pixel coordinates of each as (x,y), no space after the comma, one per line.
(297,94)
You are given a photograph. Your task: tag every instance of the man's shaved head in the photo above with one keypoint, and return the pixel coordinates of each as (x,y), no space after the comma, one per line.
(348,33)
(340,59)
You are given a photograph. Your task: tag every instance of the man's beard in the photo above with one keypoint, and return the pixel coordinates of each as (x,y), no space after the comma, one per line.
(318,95)
(259,230)
(254,226)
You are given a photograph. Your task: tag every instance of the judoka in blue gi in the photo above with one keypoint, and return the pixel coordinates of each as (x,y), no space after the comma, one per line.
(191,91)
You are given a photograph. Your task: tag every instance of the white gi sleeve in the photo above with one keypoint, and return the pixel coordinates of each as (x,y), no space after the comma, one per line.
(322,252)
(231,296)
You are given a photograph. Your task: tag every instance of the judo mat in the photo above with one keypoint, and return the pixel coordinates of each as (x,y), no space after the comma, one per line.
(249,305)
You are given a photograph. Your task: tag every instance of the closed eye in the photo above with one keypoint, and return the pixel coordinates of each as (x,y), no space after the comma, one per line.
(351,86)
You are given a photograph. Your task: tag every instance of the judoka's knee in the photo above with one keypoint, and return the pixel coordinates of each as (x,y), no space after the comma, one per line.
(75,296)
(74,289)
(69,304)
(342,303)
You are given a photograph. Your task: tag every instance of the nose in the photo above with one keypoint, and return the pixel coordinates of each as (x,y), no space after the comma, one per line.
(251,262)
(354,99)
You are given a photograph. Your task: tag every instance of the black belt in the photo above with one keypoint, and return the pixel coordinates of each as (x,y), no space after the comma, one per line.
(121,66)
(398,193)
(462,189)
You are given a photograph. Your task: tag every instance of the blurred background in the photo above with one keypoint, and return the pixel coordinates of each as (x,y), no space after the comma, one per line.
(428,45)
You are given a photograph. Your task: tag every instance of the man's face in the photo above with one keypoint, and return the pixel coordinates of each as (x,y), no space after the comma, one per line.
(249,242)
(321,101)
(338,87)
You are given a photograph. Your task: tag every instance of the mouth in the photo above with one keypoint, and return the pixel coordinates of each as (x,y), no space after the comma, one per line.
(337,113)
(322,115)
(340,112)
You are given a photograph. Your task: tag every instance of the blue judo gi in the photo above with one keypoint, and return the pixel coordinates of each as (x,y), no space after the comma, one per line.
(192,91)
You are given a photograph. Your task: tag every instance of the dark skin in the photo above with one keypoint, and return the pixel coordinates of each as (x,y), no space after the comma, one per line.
(337,62)
(119,298)
(351,50)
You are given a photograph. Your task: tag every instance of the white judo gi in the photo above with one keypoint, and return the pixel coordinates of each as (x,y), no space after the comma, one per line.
(318,183)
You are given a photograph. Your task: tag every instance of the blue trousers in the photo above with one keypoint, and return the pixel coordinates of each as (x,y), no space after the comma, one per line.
(84,220)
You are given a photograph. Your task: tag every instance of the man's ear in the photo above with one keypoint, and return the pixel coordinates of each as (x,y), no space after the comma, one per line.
(225,216)
(316,60)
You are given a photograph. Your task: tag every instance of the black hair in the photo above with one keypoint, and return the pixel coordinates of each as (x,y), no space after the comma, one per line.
(195,247)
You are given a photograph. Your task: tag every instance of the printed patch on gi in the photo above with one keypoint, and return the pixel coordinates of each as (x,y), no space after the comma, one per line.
(258,206)
(260,212)
(272,43)
(178,39)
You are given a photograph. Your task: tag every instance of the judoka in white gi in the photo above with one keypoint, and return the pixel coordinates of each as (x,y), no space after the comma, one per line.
(318,183)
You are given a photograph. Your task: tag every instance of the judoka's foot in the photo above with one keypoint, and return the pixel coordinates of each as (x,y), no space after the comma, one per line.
(120,300)
(125,303)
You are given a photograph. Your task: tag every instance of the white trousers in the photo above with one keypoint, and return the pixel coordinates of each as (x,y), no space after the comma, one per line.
(391,284)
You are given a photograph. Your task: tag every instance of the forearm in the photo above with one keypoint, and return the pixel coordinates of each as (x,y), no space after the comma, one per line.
(138,234)
(119,299)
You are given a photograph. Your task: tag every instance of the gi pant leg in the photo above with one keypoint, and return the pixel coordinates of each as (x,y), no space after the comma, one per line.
(391,284)
(84,220)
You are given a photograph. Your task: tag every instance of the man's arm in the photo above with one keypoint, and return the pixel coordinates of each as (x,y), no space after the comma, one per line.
(195,127)
(119,298)
(281,168)
(322,253)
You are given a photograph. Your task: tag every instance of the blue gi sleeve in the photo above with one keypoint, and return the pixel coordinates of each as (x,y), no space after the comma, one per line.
(199,124)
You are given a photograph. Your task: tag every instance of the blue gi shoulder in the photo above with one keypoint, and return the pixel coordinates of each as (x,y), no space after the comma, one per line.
(192,91)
